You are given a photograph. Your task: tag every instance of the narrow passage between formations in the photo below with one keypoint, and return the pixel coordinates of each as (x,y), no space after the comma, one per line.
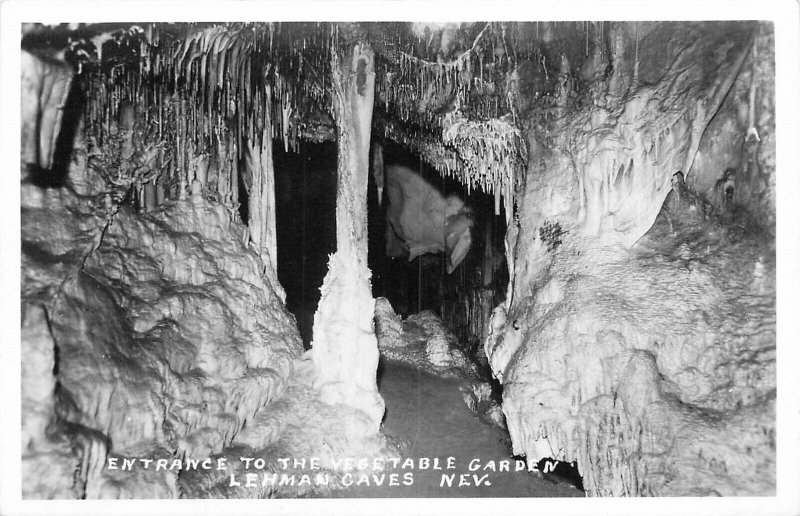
(429,414)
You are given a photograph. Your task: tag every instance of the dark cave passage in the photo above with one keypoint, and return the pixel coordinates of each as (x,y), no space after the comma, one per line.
(423,283)
(305,198)
(426,413)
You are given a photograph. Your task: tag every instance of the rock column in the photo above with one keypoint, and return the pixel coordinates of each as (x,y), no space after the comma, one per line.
(345,348)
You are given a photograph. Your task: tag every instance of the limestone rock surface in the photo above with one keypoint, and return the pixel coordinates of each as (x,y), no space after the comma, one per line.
(653,368)
(167,338)
(638,337)
(423,341)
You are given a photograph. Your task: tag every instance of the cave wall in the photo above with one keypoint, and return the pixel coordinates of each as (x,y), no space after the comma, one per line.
(629,346)
(167,334)
(156,332)
(741,138)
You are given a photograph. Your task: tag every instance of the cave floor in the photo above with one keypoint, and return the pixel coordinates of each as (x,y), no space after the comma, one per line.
(429,415)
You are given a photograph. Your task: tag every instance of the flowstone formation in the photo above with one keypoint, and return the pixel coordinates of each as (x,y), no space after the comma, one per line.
(650,361)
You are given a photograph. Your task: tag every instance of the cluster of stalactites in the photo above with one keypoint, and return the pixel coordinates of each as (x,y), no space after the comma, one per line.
(487,156)
(202,96)
(420,91)
(426,144)
(458,114)
(491,151)
(198,94)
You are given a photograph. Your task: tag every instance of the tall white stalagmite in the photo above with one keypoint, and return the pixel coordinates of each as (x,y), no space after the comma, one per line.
(345,348)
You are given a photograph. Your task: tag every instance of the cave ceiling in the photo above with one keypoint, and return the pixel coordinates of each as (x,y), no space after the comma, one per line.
(457,94)
(443,90)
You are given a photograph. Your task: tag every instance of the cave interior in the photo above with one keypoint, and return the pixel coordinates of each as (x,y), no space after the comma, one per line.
(556,240)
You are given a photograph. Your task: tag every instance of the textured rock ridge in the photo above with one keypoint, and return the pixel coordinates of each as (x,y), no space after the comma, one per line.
(422,341)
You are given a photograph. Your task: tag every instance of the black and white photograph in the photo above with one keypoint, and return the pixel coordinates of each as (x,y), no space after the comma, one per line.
(360,258)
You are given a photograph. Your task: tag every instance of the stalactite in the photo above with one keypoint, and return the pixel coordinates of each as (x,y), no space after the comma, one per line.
(46,86)
(150,197)
(233,191)
(261,207)
(205,99)
(635,83)
(160,192)
(751,111)
(377,170)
